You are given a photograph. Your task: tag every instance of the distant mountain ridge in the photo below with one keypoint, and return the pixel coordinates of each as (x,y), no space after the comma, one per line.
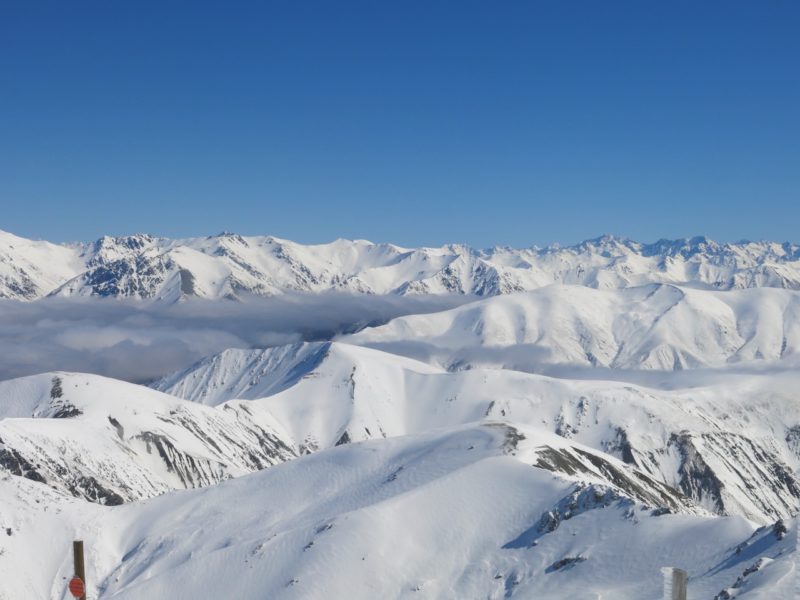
(230,266)
(653,327)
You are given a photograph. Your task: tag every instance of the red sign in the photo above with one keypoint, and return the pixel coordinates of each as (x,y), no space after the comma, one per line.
(76,587)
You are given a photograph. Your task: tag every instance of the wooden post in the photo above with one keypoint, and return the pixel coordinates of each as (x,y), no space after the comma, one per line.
(77,557)
(675,583)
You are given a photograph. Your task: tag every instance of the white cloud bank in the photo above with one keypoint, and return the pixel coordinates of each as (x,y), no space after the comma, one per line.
(140,341)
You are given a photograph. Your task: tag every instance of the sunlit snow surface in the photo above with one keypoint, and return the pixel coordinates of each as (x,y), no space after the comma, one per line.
(470,494)
(453,514)
(544,441)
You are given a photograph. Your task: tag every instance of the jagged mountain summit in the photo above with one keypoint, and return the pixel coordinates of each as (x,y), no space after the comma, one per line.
(230,265)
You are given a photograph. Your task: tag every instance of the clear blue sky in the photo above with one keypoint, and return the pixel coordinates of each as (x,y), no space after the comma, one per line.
(413,122)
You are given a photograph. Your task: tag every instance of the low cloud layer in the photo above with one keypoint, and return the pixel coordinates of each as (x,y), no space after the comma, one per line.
(139,341)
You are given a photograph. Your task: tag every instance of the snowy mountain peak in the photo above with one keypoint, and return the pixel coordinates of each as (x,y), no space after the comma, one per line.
(229,265)
(134,242)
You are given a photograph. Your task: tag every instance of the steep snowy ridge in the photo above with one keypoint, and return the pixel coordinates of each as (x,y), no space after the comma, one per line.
(727,442)
(660,327)
(111,442)
(230,265)
(240,373)
(32,269)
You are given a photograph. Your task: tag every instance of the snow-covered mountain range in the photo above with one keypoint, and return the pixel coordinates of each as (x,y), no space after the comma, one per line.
(587,476)
(586,416)
(655,327)
(728,443)
(229,265)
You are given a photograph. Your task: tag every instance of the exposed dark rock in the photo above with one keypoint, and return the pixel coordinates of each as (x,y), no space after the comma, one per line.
(779,529)
(56,389)
(699,482)
(634,483)
(565,563)
(621,447)
(118,427)
(16,464)
(582,499)
(89,488)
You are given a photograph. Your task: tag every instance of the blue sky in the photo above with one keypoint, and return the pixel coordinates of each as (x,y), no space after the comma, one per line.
(486,123)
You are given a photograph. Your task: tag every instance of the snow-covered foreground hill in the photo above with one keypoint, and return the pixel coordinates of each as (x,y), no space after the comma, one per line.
(489,511)
(229,265)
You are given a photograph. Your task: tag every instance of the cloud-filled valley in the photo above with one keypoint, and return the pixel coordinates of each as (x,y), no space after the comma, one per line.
(143,340)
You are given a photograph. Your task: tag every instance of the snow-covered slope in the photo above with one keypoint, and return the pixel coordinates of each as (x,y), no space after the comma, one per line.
(239,373)
(473,512)
(564,489)
(731,441)
(732,447)
(32,269)
(110,442)
(593,414)
(650,327)
(228,265)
